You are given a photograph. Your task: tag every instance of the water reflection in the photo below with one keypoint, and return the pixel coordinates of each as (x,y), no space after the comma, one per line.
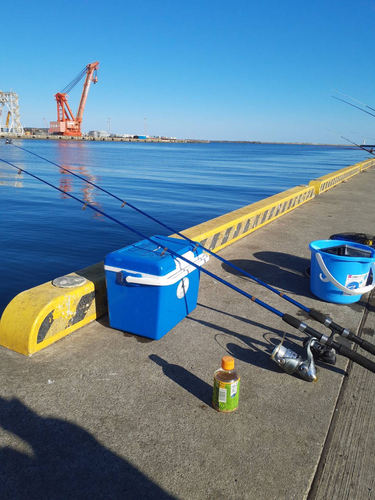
(68,181)
(11,179)
(88,191)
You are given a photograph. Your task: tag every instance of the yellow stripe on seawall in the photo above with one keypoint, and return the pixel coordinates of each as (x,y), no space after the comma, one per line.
(367,164)
(38,317)
(331,180)
(222,231)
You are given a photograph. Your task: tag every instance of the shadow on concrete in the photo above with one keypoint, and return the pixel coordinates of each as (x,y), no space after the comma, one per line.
(360,305)
(185,379)
(285,261)
(365,330)
(269,329)
(274,274)
(256,352)
(282,277)
(104,321)
(96,275)
(371,302)
(65,462)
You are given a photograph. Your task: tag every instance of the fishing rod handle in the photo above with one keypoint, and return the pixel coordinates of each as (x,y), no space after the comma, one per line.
(354,356)
(364,344)
(343,350)
(326,321)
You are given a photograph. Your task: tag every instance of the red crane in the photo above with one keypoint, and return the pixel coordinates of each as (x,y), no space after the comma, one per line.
(66,123)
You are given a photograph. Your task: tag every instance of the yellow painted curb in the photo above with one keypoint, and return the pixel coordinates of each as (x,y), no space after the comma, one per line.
(36,318)
(367,164)
(222,231)
(329,181)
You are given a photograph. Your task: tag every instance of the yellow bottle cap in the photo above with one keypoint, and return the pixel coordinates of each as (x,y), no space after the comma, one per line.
(227,363)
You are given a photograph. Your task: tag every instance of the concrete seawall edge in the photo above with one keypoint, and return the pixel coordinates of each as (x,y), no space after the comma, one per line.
(40,316)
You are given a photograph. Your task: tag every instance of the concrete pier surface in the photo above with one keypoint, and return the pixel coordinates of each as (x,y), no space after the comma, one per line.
(103,414)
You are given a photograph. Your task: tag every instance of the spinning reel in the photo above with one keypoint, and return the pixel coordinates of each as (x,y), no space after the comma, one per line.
(291,362)
(322,352)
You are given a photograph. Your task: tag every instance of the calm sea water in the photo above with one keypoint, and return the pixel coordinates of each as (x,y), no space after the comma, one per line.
(45,234)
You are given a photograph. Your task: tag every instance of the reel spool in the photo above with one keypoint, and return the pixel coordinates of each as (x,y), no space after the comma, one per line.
(291,362)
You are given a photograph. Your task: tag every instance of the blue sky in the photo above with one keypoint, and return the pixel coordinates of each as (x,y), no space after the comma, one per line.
(221,70)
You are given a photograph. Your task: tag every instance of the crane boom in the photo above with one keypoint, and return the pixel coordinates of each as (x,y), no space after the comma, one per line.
(67,123)
(90,77)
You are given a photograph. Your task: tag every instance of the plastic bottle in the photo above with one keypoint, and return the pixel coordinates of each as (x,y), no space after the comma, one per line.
(226,386)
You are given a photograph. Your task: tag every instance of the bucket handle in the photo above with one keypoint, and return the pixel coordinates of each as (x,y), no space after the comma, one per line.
(349,291)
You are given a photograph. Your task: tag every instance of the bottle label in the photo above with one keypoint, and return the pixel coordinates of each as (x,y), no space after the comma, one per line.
(225,397)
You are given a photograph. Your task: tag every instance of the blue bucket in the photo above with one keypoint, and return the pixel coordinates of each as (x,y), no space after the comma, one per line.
(340,270)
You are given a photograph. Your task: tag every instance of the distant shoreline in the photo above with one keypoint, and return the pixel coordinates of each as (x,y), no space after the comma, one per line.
(158,141)
(287,143)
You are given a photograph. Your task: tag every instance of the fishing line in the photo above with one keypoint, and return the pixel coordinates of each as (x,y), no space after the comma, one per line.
(166,249)
(346,102)
(358,146)
(362,136)
(316,315)
(287,318)
(370,151)
(355,100)
(123,202)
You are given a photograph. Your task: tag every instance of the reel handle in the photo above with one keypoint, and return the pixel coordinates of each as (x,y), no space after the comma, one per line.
(326,321)
(343,350)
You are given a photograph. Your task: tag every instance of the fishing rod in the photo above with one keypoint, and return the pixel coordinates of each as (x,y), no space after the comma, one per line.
(316,315)
(350,104)
(358,146)
(370,151)
(287,318)
(355,100)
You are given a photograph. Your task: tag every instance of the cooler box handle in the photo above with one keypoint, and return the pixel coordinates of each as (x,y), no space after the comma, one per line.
(170,279)
(349,291)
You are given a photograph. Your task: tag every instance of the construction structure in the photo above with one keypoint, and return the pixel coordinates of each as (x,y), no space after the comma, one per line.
(68,124)
(12,125)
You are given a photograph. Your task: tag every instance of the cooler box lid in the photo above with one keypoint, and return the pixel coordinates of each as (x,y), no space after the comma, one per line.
(151,258)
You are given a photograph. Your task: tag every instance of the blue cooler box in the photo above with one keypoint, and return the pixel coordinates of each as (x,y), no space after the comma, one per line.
(149,290)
